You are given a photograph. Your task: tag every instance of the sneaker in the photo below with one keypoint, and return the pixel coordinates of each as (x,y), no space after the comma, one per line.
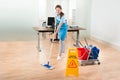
(58,58)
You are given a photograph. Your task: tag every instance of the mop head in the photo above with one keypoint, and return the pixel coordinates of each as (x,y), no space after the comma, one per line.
(48,66)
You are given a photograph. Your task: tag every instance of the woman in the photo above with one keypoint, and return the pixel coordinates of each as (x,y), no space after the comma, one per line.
(61,29)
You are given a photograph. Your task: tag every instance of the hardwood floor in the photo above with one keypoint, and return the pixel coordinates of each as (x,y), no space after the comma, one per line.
(20,60)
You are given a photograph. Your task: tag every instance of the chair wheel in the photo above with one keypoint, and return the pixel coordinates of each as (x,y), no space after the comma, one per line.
(51,40)
(81,64)
(93,63)
(98,63)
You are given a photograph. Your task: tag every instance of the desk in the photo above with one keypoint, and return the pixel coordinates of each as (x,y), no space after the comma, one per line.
(43,29)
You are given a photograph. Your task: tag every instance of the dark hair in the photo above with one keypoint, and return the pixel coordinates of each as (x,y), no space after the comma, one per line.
(61,14)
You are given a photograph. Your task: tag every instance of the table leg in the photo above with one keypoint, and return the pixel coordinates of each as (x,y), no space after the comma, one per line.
(77,39)
(38,42)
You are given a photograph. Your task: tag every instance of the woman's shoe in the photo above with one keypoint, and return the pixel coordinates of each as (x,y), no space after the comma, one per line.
(59,57)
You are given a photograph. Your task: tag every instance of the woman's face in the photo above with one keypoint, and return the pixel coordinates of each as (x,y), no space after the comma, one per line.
(58,11)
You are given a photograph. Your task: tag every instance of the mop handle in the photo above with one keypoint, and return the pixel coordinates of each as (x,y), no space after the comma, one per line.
(51,47)
(86,41)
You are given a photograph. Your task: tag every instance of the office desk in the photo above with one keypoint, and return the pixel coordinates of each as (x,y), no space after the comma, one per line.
(44,29)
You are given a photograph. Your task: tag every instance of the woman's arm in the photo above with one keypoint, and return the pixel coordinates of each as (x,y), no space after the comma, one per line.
(57,30)
(59,26)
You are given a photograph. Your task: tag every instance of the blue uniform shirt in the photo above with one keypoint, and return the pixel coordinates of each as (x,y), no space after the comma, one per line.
(63,29)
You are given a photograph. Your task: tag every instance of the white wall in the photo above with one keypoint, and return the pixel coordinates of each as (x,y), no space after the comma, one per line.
(17,17)
(83,11)
(51,6)
(105,20)
(42,11)
(47,8)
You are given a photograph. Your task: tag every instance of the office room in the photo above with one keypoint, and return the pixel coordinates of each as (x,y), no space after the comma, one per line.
(59,39)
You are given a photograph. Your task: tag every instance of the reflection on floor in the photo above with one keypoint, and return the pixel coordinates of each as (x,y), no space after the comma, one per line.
(20,61)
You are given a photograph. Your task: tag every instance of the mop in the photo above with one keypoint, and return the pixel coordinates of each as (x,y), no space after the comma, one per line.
(48,66)
(48,63)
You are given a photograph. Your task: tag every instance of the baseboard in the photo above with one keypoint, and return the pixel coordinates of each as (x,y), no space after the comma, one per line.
(105,42)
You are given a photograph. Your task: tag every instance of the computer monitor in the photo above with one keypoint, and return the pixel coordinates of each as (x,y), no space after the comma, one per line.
(51,21)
